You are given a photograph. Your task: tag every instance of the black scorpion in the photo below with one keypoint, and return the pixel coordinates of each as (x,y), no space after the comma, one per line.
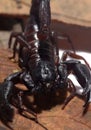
(38,57)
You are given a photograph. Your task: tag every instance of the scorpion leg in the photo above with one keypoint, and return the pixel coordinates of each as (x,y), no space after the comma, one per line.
(6,91)
(73,55)
(73,93)
(63,73)
(87,93)
(87,102)
(21,107)
(13,35)
(14,50)
(19,39)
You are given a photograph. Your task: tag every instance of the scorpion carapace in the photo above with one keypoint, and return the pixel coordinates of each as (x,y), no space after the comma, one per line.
(38,57)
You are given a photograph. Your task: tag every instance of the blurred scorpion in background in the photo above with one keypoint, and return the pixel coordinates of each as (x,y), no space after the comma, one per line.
(42,69)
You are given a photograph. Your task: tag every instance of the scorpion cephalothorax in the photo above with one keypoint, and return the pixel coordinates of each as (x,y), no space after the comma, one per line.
(38,57)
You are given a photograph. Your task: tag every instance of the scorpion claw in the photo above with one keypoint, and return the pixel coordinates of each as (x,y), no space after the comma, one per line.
(85,91)
(87,102)
(7,113)
(6,110)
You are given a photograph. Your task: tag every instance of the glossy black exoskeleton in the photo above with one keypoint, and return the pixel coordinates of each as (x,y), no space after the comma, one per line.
(38,57)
